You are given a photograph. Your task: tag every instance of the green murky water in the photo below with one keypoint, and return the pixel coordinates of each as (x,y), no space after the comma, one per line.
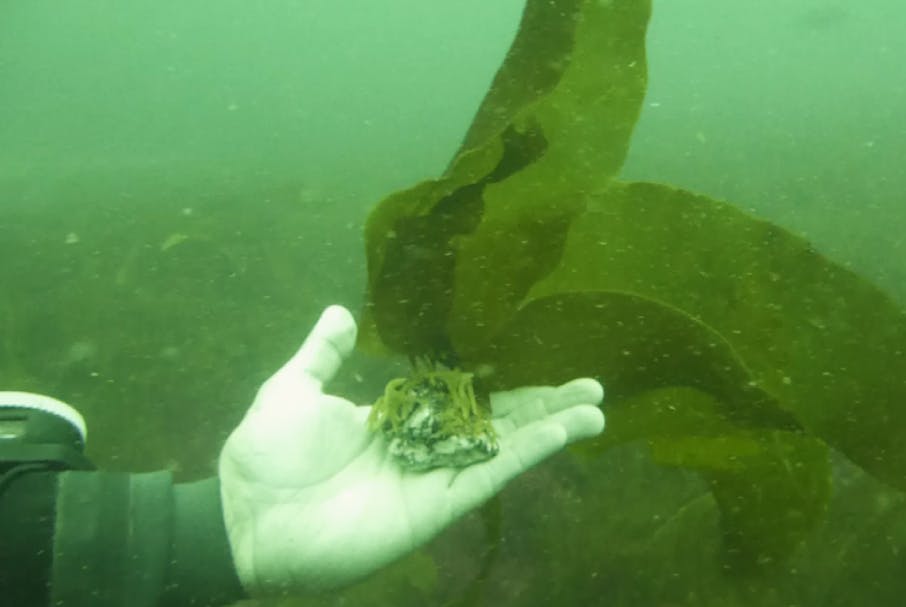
(184,186)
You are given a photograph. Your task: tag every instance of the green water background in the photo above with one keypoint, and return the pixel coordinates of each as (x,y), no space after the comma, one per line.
(789,108)
(150,153)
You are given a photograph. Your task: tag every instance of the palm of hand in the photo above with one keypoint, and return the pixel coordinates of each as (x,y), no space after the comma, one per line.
(311,498)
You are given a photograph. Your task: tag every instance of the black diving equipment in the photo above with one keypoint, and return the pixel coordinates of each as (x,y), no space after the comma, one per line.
(39,433)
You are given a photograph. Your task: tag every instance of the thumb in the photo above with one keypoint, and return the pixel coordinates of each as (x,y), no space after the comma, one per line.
(316,362)
(328,344)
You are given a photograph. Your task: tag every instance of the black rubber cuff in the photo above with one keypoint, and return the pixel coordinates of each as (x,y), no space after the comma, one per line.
(27,504)
(137,540)
(201,561)
(111,541)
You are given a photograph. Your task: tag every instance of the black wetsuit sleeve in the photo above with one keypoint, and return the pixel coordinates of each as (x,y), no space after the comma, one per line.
(201,570)
(117,540)
(27,512)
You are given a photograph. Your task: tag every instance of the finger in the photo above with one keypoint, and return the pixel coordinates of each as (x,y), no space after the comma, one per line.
(328,344)
(504,403)
(525,405)
(580,422)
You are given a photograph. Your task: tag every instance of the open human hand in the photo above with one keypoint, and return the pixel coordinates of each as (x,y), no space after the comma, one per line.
(312,499)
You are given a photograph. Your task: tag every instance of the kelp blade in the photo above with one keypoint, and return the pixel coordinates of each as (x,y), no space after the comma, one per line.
(558,117)
(796,321)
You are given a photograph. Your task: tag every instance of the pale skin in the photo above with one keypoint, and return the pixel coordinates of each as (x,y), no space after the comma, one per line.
(313,501)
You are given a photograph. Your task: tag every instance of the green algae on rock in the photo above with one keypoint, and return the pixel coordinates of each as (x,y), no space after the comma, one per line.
(433,419)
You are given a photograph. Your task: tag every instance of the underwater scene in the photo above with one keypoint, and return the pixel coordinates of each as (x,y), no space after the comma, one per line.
(700,204)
